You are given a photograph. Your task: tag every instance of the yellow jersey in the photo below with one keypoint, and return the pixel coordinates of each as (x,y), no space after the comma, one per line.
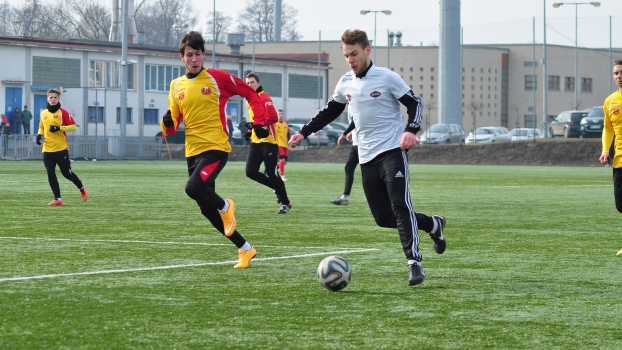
(55,141)
(282,129)
(613,126)
(199,101)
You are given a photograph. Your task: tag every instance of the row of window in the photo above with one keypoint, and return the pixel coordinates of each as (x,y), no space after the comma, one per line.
(531,82)
(432,69)
(95,114)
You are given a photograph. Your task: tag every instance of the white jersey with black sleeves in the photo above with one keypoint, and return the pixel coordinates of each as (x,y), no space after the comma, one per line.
(374,107)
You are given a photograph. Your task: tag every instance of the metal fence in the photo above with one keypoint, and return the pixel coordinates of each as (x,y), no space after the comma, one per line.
(23,147)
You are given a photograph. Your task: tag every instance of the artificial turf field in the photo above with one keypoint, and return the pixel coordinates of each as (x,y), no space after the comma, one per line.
(530,262)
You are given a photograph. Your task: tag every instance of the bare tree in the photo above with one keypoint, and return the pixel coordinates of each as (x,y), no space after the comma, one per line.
(223,23)
(157,17)
(474,107)
(257,20)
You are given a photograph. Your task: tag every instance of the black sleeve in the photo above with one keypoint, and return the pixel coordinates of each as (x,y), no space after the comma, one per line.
(414,107)
(349,128)
(330,112)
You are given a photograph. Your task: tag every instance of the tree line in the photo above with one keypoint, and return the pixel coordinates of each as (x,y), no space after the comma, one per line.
(91,20)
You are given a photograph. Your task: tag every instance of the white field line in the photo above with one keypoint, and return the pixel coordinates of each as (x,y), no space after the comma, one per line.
(151,242)
(153,268)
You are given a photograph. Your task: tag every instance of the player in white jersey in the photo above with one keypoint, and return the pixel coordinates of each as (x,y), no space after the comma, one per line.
(374,95)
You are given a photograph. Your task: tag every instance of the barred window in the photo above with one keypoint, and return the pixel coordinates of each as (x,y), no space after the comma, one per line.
(158,78)
(55,71)
(305,86)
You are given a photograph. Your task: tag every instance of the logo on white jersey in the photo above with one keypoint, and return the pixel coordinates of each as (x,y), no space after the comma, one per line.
(399,174)
(349,97)
(375,94)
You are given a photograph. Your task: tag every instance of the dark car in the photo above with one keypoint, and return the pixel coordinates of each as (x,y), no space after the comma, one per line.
(567,124)
(592,124)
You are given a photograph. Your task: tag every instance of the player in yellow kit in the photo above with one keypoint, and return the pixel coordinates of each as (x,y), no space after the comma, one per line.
(613,127)
(54,121)
(198,99)
(282,136)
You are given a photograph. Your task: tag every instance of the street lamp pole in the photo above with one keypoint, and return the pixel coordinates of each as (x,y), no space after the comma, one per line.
(364,12)
(576,39)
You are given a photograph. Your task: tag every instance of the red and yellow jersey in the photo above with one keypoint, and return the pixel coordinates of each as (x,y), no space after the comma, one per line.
(55,141)
(282,129)
(270,115)
(200,103)
(613,126)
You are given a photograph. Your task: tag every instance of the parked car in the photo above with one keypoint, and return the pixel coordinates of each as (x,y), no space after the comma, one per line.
(592,124)
(567,124)
(320,137)
(522,134)
(178,137)
(489,134)
(443,134)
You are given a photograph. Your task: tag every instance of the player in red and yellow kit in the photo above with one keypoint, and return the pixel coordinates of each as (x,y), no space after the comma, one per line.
(54,122)
(264,149)
(198,98)
(282,136)
(613,127)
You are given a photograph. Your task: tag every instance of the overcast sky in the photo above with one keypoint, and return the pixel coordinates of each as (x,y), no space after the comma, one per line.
(484,21)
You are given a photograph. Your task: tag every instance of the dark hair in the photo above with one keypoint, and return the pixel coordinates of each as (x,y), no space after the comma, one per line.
(356,36)
(25,106)
(253,75)
(193,40)
(617,63)
(54,91)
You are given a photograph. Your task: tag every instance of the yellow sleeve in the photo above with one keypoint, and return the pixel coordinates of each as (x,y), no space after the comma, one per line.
(41,127)
(173,107)
(607,127)
(69,128)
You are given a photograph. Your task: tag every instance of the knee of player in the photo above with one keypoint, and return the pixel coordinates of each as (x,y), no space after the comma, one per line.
(193,190)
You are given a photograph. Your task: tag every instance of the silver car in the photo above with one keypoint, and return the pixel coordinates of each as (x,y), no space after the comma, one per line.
(443,134)
(489,134)
(319,138)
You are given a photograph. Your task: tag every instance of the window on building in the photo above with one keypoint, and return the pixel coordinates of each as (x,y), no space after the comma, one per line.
(432,78)
(530,121)
(431,69)
(472,70)
(553,82)
(431,95)
(128,117)
(421,69)
(420,87)
(401,69)
(481,87)
(421,96)
(411,77)
(531,82)
(420,78)
(568,83)
(411,69)
(530,63)
(151,116)
(472,87)
(95,114)
(481,70)
(488,71)
(108,74)
(300,86)
(432,87)
(56,71)
(481,78)
(158,78)
(411,87)
(472,78)
(586,84)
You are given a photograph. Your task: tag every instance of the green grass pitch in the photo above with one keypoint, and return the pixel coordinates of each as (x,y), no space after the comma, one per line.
(530,262)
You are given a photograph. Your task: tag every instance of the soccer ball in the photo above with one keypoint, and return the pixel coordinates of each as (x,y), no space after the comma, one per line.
(334,273)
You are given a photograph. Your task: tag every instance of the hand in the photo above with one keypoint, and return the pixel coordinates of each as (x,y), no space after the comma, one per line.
(54,128)
(167,119)
(349,137)
(295,139)
(261,131)
(248,125)
(408,140)
(340,139)
(604,158)
(248,135)
(39,139)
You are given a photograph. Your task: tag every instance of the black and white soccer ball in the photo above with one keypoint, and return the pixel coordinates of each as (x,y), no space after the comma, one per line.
(334,273)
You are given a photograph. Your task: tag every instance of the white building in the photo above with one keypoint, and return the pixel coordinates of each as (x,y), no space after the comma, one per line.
(89,73)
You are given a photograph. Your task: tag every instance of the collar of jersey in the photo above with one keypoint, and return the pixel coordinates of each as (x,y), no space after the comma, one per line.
(259,89)
(362,75)
(192,76)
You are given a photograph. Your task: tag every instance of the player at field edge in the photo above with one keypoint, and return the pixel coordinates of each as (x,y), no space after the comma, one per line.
(282,136)
(374,94)
(264,148)
(197,99)
(613,128)
(351,163)
(54,122)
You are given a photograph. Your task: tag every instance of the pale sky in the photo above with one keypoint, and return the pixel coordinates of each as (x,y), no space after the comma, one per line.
(484,21)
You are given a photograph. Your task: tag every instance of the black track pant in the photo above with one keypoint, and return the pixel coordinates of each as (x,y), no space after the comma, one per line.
(203,170)
(617,187)
(50,160)
(351,163)
(267,153)
(385,182)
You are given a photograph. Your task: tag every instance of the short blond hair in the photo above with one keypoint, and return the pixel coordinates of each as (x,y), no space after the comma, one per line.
(54,91)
